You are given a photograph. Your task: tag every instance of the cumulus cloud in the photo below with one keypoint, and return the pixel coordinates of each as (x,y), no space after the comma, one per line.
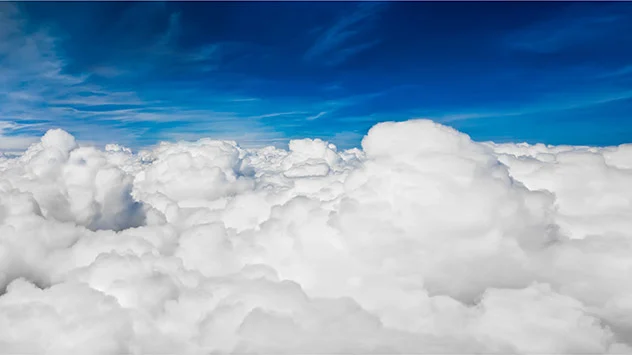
(423,241)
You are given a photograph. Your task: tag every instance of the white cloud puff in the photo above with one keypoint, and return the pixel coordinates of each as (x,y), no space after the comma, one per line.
(423,241)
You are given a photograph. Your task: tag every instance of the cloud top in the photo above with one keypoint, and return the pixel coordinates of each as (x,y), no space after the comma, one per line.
(424,241)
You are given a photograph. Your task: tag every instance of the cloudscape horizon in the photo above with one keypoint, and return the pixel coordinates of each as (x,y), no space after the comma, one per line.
(315,178)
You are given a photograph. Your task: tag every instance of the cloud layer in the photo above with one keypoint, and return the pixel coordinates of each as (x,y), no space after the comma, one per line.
(424,241)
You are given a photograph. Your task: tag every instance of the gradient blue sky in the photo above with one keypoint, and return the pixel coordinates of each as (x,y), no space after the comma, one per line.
(263,73)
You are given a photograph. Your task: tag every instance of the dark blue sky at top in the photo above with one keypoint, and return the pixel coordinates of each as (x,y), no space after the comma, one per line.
(265,72)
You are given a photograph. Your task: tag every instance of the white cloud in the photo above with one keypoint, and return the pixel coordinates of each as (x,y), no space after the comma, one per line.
(318,115)
(424,241)
(344,38)
(14,143)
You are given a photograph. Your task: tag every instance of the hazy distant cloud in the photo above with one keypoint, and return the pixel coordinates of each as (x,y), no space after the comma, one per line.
(346,37)
(14,143)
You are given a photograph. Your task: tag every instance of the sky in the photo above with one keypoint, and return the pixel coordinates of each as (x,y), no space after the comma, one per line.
(264,73)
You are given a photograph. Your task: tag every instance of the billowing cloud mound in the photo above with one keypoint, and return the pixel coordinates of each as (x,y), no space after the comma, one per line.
(424,241)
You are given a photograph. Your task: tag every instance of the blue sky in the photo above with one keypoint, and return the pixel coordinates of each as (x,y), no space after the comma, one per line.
(263,73)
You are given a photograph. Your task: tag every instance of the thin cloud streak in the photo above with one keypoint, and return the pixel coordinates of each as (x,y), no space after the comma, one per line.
(343,39)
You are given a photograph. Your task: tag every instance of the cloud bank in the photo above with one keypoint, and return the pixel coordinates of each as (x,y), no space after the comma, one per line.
(423,241)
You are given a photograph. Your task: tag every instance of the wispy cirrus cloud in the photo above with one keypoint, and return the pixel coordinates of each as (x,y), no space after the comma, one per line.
(31,71)
(572,27)
(9,141)
(625,71)
(195,70)
(317,116)
(554,104)
(277,114)
(346,37)
(37,92)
